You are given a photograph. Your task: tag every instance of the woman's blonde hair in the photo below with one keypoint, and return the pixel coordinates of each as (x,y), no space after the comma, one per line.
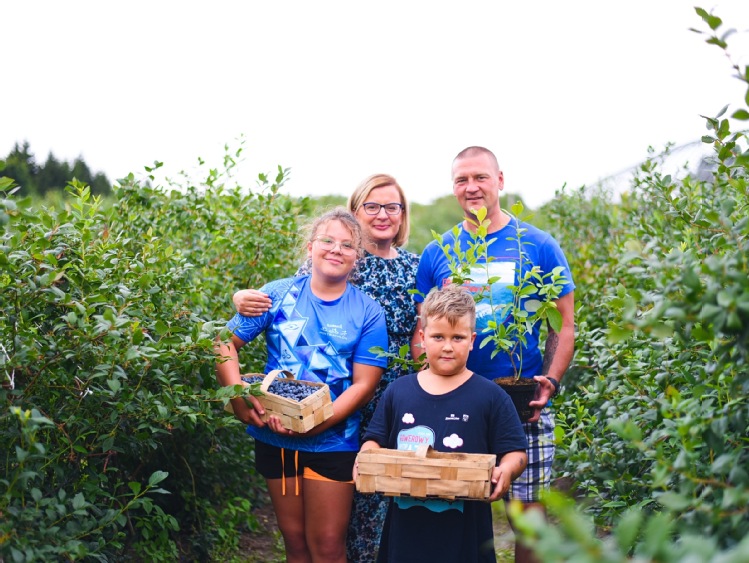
(362,191)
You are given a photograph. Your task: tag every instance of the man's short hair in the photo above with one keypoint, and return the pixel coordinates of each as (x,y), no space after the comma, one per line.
(475,151)
(452,302)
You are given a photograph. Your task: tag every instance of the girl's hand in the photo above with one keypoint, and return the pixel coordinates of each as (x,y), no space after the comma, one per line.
(274,423)
(248,410)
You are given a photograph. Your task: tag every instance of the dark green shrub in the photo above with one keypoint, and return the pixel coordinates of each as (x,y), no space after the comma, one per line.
(653,427)
(107,324)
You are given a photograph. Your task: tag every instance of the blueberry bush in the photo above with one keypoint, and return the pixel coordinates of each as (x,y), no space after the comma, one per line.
(114,440)
(653,426)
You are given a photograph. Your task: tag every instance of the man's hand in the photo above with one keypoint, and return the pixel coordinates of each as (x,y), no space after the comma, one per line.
(544,393)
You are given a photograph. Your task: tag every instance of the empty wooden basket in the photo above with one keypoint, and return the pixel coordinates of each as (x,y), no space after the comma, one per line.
(425,473)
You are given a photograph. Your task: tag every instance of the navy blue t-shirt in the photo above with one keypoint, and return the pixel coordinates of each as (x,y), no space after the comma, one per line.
(477,417)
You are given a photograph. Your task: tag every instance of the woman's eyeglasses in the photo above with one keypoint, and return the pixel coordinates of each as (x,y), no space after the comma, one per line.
(329,243)
(374,208)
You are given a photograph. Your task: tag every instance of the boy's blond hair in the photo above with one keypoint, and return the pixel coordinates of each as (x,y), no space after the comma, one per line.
(452,302)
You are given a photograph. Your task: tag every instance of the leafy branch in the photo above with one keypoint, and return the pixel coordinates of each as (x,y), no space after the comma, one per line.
(533,294)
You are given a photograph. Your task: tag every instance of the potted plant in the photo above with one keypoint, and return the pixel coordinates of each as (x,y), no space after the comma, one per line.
(528,300)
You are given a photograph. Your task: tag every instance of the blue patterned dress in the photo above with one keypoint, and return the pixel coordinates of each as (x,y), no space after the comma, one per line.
(387,280)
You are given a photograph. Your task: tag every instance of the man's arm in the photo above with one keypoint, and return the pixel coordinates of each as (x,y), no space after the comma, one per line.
(558,352)
(560,347)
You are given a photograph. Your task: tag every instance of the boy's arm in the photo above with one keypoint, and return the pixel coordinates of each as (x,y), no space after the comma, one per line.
(369,445)
(511,465)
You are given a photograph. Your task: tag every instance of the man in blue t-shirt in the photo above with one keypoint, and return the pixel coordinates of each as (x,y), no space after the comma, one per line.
(477,181)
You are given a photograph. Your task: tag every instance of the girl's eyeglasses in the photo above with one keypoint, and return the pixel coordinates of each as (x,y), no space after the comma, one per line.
(329,243)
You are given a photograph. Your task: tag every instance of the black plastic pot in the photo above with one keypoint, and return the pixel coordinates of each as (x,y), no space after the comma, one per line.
(521,390)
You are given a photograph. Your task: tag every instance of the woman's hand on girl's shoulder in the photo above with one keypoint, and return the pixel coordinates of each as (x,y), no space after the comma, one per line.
(251,302)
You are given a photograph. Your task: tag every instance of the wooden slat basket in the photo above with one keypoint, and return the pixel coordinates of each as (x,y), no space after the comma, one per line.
(298,416)
(425,473)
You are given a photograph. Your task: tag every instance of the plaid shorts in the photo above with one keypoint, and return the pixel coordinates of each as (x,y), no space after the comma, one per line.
(537,476)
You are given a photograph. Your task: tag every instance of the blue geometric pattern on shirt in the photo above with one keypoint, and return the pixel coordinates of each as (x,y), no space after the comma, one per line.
(317,341)
(311,361)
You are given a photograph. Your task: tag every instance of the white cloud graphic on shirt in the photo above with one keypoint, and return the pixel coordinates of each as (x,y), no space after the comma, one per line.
(452,441)
(408,418)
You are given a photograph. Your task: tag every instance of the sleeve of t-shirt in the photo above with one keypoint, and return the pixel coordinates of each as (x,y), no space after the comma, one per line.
(374,333)
(248,328)
(507,432)
(425,272)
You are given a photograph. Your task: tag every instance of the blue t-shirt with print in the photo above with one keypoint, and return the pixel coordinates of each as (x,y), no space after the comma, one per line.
(317,341)
(505,267)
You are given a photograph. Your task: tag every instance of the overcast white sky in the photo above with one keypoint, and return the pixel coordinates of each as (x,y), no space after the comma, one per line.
(336,90)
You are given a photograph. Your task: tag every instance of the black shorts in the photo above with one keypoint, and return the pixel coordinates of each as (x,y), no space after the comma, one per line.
(273,463)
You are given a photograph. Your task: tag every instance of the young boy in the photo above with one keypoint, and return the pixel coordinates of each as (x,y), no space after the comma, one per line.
(453,410)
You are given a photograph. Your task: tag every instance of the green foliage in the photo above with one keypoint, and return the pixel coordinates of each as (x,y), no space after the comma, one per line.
(116,444)
(654,430)
(533,297)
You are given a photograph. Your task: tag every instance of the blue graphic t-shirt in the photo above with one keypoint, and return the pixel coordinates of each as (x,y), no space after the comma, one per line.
(317,341)
(504,269)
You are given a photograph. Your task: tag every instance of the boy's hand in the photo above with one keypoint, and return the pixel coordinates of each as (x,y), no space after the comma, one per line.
(511,465)
(501,479)
(368,445)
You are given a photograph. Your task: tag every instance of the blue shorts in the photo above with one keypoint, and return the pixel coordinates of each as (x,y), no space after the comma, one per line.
(537,476)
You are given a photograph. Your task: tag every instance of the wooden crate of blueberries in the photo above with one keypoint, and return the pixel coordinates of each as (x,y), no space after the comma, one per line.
(300,405)
(425,473)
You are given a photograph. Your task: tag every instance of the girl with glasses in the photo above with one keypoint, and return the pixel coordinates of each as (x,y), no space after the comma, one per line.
(385,272)
(320,328)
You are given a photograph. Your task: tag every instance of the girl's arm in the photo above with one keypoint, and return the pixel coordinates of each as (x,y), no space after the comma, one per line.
(227,373)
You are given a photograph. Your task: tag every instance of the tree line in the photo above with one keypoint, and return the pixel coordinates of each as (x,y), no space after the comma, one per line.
(53,175)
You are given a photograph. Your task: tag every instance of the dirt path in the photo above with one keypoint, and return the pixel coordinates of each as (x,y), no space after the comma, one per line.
(264,545)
